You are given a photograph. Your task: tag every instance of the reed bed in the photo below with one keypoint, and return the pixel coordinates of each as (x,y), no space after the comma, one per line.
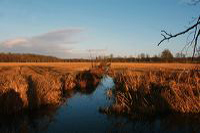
(13,88)
(156,92)
(31,88)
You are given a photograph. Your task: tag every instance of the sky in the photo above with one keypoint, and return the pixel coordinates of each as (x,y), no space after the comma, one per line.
(80,28)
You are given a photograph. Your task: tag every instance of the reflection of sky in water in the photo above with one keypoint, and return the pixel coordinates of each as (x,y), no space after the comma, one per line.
(80,114)
(81,111)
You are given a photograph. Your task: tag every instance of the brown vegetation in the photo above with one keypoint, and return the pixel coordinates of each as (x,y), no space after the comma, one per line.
(80,66)
(13,88)
(29,88)
(60,67)
(152,66)
(89,79)
(44,88)
(156,92)
(146,87)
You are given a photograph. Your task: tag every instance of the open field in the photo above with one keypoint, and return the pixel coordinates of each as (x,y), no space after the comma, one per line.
(153,66)
(69,67)
(79,66)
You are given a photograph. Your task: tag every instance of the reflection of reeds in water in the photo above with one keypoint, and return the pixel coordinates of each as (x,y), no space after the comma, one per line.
(28,121)
(157,92)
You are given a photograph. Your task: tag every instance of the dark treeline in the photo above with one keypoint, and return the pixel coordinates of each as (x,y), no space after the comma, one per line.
(15,57)
(165,56)
(156,59)
(12,57)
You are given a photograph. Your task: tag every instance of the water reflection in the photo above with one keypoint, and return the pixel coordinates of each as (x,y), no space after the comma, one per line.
(28,121)
(79,113)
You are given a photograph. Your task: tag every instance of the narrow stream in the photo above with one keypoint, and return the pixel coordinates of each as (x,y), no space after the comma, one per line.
(80,113)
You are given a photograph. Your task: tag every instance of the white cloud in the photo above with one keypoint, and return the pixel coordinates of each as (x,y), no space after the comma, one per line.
(56,43)
(17,41)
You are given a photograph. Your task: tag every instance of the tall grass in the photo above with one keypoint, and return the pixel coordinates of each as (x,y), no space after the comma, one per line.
(28,87)
(157,92)
(13,88)
(31,88)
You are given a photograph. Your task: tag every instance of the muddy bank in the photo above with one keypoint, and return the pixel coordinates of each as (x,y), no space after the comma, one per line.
(34,87)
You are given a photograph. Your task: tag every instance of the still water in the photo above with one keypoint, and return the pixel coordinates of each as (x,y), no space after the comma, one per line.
(80,113)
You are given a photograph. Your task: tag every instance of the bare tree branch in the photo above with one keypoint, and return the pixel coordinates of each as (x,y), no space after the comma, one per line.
(196,34)
(195,43)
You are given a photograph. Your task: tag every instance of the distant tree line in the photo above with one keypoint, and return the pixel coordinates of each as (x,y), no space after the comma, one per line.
(164,56)
(12,57)
(15,57)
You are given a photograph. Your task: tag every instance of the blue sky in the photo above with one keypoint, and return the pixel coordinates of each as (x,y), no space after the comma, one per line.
(70,28)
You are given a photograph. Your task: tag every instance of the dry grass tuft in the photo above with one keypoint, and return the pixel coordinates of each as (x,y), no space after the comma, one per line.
(44,90)
(69,82)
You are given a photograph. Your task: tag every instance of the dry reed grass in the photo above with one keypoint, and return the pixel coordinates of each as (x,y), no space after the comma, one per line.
(80,66)
(31,88)
(59,66)
(13,88)
(87,81)
(28,86)
(156,92)
(44,89)
(69,82)
(145,67)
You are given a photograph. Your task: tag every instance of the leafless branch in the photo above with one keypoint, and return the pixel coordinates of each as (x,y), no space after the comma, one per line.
(195,43)
(196,33)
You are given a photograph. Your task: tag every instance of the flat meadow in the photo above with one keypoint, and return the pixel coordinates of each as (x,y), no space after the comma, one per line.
(78,66)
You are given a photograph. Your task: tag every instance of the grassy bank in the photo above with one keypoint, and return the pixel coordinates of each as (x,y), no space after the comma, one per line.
(28,87)
(156,92)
